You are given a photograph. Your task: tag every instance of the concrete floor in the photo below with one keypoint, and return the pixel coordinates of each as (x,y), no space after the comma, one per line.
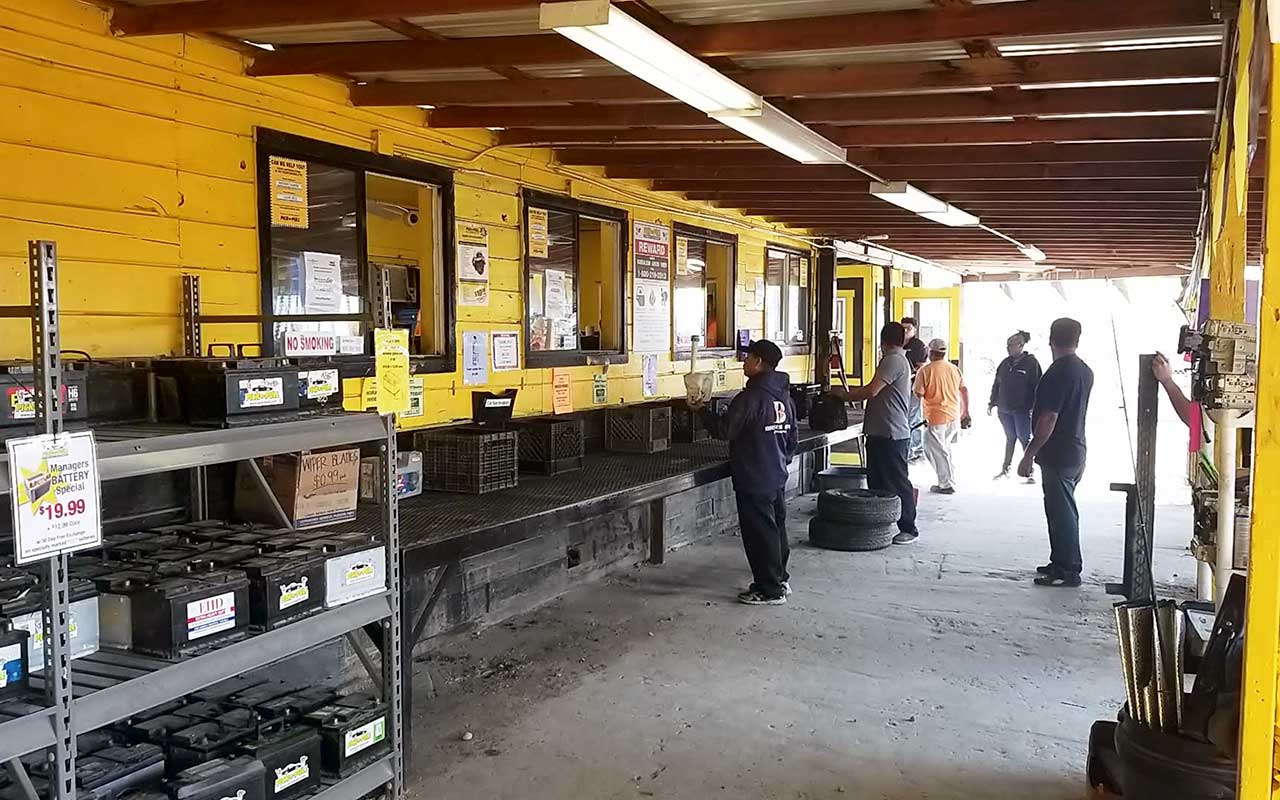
(931,671)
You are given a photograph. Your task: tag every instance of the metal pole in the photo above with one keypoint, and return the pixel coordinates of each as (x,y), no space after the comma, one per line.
(47,388)
(191,315)
(393,659)
(1224,457)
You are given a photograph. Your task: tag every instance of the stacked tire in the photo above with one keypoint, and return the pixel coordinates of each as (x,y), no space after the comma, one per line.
(855,520)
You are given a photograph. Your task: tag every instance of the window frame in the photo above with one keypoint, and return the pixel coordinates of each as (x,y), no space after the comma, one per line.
(542,359)
(270,142)
(790,348)
(712,237)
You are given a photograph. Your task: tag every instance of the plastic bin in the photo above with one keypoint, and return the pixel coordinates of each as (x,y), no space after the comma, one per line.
(550,445)
(470,460)
(644,428)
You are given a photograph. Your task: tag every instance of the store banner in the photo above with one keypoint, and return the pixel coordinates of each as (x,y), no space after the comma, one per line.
(539,239)
(651,288)
(289,204)
(56,495)
(473,252)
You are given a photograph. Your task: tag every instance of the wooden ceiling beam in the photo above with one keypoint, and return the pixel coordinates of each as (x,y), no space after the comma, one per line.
(207,16)
(870,29)
(1087,171)
(898,108)
(943,188)
(1190,63)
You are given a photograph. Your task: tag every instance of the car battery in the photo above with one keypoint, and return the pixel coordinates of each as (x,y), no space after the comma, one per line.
(238,778)
(355,566)
(290,759)
(353,732)
(109,773)
(284,587)
(118,390)
(82,621)
(157,729)
(287,539)
(296,704)
(230,555)
(17,399)
(227,392)
(319,385)
(199,710)
(206,740)
(174,615)
(15,660)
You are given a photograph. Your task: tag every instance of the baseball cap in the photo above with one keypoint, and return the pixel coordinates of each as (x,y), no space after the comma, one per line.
(767,350)
(937,345)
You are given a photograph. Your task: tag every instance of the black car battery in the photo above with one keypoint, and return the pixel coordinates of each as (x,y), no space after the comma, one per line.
(17,398)
(118,390)
(15,660)
(227,392)
(238,778)
(157,729)
(175,615)
(205,741)
(353,732)
(290,758)
(199,710)
(284,587)
(355,566)
(289,540)
(230,555)
(294,705)
(320,383)
(111,772)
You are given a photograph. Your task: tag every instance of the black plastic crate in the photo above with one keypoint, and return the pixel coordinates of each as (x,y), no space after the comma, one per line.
(470,460)
(594,423)
(550,445)
(644,428)
(687,424)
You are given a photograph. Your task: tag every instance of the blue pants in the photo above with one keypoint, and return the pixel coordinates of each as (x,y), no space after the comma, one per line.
(915,416)
(1063,516)
(1017,428)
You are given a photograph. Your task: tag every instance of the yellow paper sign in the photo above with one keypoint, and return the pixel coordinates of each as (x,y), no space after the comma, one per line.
(682,256)
(804,273)
(391,360)
(538,239)
(369,395)
(288,192)
(561,392)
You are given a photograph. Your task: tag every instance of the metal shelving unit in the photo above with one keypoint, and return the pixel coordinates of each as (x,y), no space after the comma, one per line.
(147,682)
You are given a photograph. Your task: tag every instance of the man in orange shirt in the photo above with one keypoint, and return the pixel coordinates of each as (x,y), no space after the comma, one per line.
(946,409)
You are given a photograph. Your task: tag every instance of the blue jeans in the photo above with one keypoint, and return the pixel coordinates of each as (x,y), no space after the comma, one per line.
(914,418)
(1017,428)
(1063,516)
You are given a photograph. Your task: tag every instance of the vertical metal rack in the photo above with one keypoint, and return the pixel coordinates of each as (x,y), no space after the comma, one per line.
(72,710)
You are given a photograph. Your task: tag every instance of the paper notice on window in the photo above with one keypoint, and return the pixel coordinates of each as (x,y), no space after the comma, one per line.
(556,304)
(682,256)
(650,370)
(473,294)
(56,497)
(599,389)
(321,283)
(391,365)
(506,351)
(561,392)
(538,238)
(473,252)
(475,358)
(804,273)
(758,303)
(289,206)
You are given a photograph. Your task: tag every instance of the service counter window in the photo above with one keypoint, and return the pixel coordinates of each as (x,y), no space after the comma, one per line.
(575,302)
(787,276)
(705,278)
(340,230)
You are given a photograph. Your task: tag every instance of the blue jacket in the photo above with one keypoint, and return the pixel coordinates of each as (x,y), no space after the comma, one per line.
(760,426)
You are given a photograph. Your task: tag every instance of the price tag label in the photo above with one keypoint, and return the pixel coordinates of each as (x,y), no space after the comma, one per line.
(56,495)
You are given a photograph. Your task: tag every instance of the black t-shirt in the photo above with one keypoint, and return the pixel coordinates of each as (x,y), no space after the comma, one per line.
(917,352)
(1065,388)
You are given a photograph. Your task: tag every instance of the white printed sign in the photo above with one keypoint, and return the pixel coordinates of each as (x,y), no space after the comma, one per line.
(351,345)
(475,358)
(305,343)
(211,615)
(319,384)
(506,351)
(322,283)
(57,501)
(651,288)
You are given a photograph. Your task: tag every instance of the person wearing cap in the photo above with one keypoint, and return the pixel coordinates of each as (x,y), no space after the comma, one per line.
(760,427)
(940,387)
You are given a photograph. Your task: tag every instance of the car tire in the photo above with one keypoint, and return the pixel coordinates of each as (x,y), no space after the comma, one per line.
(866,508)
(836,535)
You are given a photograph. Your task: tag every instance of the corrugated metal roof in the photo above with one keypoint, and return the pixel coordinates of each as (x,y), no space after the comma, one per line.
(702,12)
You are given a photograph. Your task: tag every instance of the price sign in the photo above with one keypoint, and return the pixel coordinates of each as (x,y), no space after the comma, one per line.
(56,500)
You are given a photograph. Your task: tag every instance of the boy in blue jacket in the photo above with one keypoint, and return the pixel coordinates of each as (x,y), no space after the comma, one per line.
(760,426)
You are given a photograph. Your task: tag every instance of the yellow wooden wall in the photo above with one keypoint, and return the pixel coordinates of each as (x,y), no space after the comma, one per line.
(137,157)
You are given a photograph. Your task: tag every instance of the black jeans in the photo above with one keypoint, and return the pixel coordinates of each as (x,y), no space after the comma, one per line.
(1063,516)
(763,519)
(887,471)
(1017,428)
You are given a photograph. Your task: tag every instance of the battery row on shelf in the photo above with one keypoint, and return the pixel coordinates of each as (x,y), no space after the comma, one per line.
(244,738)
(182,589)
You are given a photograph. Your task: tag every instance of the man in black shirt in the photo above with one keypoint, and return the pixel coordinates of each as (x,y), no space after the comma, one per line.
(1058,446)
(917,354)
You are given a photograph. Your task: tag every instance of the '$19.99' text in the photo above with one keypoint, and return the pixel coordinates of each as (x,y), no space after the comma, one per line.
(60,510)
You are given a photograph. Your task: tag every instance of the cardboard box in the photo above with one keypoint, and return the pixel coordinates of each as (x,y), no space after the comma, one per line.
(408,476)
(313,489)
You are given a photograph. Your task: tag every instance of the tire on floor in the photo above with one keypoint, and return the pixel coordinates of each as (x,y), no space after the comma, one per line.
(866,508)
(837,535)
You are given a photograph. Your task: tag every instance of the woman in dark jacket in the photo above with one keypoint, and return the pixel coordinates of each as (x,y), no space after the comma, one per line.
(1014,392)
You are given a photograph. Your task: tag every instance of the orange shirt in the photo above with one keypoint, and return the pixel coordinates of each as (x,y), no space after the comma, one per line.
(938,383)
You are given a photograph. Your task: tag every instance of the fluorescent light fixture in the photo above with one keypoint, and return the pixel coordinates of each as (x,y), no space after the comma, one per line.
(904,195)
(1032,252)
(617,37)
(785,134)
(954,217)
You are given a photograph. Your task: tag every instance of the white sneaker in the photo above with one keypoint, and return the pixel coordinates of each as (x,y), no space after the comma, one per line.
(786,588)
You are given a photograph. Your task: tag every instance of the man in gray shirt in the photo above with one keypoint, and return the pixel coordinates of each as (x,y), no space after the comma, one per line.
(886,427)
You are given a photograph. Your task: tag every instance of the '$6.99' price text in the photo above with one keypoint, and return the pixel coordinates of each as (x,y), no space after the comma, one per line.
(61,510)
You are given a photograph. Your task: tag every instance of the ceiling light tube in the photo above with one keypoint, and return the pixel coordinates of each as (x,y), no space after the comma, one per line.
(1032,252)
(904,195)
(617,37)
(954,217)
(785,134)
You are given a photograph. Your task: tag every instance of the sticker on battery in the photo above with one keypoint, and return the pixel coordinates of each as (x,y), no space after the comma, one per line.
(364,737)
(358,572)
(320,384)
(291,774)
(211,615)
(261,392)
(22,403)
(11,665)
(293,593)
